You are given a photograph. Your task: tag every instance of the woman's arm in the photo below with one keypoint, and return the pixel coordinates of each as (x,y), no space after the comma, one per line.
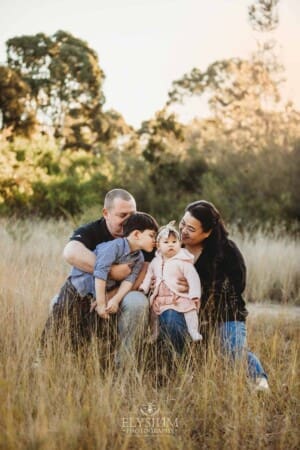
(234,266)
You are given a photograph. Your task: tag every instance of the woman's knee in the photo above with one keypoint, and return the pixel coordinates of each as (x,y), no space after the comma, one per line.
(233,338)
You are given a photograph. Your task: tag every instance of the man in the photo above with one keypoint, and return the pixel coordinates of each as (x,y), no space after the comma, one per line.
(133,312)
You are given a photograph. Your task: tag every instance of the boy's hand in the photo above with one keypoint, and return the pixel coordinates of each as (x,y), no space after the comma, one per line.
(112,306)
(101,311)
(93,306)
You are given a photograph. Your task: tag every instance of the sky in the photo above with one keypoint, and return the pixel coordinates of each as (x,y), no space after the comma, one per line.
(144,45)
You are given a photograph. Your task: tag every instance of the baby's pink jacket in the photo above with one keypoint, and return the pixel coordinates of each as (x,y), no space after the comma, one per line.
(169,271)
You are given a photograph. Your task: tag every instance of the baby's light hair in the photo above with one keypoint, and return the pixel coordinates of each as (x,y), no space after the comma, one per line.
(165,231)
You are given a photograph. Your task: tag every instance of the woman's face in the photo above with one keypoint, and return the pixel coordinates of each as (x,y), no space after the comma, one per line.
(191,230)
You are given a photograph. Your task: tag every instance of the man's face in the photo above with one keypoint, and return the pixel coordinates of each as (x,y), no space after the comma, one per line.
(117,214)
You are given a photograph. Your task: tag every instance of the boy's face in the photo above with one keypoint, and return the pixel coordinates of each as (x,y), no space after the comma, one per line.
(147,240)
(169,246)
(117,214)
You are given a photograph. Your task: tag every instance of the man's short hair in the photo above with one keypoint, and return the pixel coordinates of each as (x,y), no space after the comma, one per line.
(117,193)
(139,221)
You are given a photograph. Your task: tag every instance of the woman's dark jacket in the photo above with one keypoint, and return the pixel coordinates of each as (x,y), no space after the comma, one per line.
(222,273)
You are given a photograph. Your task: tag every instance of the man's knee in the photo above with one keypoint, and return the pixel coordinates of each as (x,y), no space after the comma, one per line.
(135,301)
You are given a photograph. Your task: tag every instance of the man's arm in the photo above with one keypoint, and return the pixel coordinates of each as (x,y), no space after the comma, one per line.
(78,255)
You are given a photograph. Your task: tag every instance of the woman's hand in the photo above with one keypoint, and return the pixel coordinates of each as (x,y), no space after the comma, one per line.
(182,285)
(152,284)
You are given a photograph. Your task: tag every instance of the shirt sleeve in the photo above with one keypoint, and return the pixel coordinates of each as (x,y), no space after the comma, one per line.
(193,280)
(235,267)
(145,285)
(85,235)
(106,254)
(137,267)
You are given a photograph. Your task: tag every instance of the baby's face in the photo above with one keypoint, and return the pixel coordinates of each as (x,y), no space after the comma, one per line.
(169,246)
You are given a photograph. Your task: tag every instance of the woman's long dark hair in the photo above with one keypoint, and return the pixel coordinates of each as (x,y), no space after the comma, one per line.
(210,218)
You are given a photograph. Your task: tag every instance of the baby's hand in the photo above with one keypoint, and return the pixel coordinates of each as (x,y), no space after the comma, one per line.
(112,306)
(101,311)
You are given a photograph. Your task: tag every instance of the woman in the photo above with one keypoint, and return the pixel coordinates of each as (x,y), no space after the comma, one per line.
(222,272)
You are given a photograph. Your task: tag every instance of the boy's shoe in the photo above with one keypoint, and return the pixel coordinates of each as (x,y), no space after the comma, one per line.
(261,385)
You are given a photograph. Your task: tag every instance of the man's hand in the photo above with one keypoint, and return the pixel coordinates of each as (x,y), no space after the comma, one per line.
(101,311)
(119,272)
(112,306)
(182,285)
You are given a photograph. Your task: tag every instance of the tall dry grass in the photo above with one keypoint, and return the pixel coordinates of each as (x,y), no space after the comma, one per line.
(273,265)
(74,402)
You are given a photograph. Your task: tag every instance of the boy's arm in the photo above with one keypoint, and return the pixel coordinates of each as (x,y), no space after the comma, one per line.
(113,303)
(100,288)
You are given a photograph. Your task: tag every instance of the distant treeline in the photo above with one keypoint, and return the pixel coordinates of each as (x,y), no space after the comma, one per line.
(37,178)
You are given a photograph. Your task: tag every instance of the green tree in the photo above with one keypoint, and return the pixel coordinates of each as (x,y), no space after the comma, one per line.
(241,96)
(263,15)
(66,84)
(172,168)
(17,116)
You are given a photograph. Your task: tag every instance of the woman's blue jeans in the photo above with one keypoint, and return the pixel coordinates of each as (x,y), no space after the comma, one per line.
(233,339)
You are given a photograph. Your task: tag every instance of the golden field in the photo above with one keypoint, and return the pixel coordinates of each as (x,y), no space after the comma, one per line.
(74,402)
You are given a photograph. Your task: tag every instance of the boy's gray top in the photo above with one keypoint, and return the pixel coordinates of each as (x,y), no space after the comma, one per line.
(107,254)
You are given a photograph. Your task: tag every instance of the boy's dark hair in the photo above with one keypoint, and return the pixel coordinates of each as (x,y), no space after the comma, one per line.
(139,221)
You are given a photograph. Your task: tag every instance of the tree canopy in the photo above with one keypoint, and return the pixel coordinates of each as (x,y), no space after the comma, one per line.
(65,81)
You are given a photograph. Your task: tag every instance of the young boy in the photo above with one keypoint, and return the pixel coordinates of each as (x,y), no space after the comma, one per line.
(139,234)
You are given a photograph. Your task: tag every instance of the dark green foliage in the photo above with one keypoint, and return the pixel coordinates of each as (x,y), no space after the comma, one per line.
(65,83)
(259,187)
(17,116)
(247,188)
